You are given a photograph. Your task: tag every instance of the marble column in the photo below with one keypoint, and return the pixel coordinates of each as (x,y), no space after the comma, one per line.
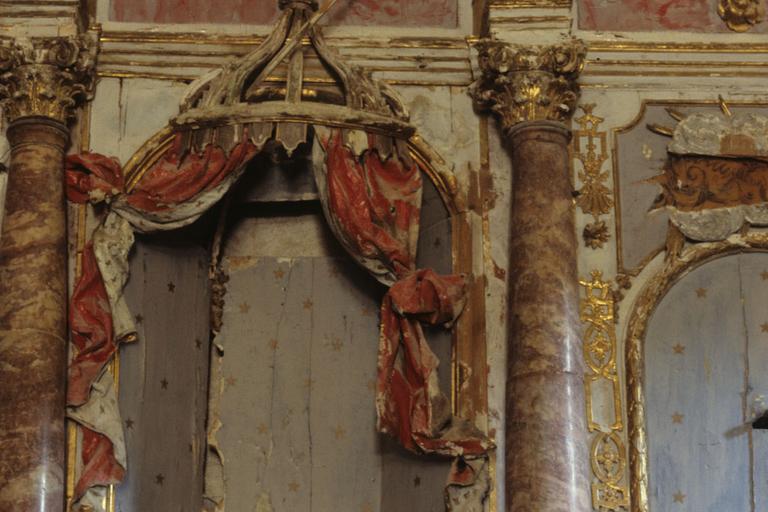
(40,85)
(533,92)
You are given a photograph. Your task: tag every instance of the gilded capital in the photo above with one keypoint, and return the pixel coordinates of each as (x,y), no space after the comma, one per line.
(48,77)
(527,83)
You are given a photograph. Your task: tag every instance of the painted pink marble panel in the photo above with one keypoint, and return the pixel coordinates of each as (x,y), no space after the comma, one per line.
(432,13)
(653,15)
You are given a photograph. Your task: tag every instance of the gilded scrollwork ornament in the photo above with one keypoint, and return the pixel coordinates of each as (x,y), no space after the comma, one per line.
(608,455)
(523,83)
(47,77)
(741,15)
(595,198)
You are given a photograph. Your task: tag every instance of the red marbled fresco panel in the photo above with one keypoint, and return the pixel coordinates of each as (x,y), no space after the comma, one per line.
(433,13)
(652,15)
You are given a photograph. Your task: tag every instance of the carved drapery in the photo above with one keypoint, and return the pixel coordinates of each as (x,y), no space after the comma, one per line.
(533,92)
(42,82)
(226,118)
(385,197)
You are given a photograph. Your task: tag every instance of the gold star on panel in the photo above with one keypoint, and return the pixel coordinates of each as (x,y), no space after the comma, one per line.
(139,319)
(159,479)
(701,293)
(764,327)
(340,432)
(293,486)
(371,385)
(273,344)
(279,273)
(367,508)
(764,275)
(245,307)
(679,349)
(230,381)
(679,497)
(129,423)
(262,429)
(678,418)
(308,304)
(164,383)
(171,287)
(309,383)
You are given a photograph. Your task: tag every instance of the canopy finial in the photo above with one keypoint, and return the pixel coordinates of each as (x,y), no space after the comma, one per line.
(300,4)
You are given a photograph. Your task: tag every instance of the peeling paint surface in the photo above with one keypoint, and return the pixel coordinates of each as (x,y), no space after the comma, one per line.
(653,15)
(432,13)
(294,383)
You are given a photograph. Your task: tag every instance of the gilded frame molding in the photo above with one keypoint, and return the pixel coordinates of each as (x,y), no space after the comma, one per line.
(614,136)
(654,290)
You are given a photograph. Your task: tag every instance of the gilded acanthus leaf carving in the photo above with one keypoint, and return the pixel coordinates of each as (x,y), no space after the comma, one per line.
(528,83)
(46,77)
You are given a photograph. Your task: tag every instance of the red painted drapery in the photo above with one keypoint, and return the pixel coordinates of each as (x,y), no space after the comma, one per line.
(373,206)
(90,177)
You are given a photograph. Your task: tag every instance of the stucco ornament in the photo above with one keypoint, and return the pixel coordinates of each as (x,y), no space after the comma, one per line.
(46,77)
(741,15)
(715,180)
(523,83)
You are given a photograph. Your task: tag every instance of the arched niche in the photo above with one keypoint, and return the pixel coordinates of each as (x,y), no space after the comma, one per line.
(694,360)
(259,149)
(177,379)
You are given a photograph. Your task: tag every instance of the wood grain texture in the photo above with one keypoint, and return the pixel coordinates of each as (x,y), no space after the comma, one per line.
(164,378)
(706,361)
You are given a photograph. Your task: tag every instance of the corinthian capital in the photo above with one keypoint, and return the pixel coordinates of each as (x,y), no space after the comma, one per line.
(524,83)
(48,77)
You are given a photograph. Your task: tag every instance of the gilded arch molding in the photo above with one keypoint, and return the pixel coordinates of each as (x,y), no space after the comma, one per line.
(642,310)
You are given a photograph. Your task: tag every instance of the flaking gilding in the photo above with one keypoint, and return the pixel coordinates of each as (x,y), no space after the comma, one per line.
(523,83)
(48,77)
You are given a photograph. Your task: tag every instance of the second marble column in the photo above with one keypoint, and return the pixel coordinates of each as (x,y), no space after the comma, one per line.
(533,91)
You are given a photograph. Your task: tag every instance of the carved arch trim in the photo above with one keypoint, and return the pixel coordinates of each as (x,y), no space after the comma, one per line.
(642,311)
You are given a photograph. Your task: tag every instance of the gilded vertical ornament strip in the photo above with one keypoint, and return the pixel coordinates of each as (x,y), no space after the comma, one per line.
(608,456)
(594,198)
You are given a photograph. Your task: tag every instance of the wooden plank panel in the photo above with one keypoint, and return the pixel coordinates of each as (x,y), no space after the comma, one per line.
(300,340)
(754,280)
(695,383)
(164,378)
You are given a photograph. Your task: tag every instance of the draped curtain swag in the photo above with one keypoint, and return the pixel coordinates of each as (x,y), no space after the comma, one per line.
(371,197)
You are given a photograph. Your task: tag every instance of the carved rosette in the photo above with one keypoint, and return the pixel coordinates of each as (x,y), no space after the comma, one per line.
(48,77)
(529,83)
(741,15)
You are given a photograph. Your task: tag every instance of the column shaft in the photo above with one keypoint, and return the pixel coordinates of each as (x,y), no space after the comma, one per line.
(547,464)
(33,319)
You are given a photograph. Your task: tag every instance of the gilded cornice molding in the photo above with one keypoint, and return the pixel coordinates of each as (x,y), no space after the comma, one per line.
(527,83)
(48,77)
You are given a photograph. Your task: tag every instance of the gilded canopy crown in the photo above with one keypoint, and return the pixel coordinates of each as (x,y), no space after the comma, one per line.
(292,80)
